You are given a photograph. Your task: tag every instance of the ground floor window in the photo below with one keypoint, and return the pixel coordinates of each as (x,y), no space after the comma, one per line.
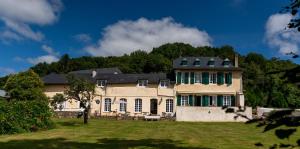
(123,105)
(184,100)
(107,105)
(169,105)
(212,101)
(227,100)
(138,105)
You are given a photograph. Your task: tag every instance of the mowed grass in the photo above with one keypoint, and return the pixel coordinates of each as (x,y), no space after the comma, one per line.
(72,134)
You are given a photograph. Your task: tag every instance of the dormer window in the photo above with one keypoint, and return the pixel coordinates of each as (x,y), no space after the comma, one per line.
(164,83)
(184,62)
(226,62)
(101,83)
(197,62)
(211,62)
(142,83)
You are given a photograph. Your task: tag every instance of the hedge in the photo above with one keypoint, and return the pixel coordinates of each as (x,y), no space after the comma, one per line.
(24,116)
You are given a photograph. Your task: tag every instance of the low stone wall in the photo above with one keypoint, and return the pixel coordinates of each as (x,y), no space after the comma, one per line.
(66,114)
(212,114)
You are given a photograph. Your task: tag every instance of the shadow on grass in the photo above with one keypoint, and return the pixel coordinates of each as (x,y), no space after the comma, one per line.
(70,123)
(107,143)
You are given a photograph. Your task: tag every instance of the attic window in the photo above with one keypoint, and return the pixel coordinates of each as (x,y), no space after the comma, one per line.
(211,62)
(142,83)
(197,62)
(101,83)
(184,62)
(226,62)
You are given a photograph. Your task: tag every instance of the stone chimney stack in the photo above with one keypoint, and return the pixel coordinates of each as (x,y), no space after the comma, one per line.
(94,73)
(236,60)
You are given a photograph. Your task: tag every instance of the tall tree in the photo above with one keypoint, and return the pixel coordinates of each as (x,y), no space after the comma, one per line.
(82,90)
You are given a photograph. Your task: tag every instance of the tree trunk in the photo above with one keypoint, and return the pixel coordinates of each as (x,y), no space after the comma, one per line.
(85,116)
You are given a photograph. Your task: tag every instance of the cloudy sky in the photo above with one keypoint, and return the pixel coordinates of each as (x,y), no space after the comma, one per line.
(33,31)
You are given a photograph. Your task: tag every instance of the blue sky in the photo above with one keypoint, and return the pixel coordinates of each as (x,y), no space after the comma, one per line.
(100,28)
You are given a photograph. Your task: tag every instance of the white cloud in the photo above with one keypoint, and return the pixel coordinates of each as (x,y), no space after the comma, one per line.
(51,56)
(6,71)
(85,38)
(50,50)
(279,37)
(18,15)
(127,36)
(45,58)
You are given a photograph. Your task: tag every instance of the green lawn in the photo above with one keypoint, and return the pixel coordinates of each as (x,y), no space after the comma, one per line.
(71,133)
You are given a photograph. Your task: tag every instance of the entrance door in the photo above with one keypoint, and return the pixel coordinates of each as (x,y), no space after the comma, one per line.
(198,101)
(153,106)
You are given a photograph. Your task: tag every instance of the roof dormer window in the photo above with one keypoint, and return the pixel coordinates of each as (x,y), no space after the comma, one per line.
(142,83)
(197,62)
(226,62)
(184,62)
(211,62)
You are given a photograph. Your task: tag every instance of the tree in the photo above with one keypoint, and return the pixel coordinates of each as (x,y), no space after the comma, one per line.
(25,86)
(82,90)
(57,99)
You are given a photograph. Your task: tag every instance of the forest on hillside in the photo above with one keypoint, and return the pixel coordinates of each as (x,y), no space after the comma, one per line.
(264,80)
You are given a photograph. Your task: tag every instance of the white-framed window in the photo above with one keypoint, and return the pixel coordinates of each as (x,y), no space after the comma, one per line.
(226,100)
(123,105)
(138,105)
(142,83)
(198,77)
(164,83)
(213,78)
(184,100)
(107,105)
(169,105)
(185,78)
(212,101)
(101,83)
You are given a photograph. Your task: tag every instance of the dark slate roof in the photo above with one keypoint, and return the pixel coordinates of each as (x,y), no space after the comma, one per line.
(54,78)
(113,70)
(133,78)
(218,63)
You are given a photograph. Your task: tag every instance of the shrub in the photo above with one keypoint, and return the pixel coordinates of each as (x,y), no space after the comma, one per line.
(24,116)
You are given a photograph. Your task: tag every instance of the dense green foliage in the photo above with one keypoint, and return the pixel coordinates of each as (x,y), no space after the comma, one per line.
(264,80)
(25,86)
(24,116)
(28,108)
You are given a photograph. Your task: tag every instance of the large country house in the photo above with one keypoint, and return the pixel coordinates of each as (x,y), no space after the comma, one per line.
(203,86)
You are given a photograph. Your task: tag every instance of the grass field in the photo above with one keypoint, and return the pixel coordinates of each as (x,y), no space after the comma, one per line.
(71,133)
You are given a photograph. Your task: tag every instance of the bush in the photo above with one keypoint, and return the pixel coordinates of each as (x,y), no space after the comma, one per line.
(24,116)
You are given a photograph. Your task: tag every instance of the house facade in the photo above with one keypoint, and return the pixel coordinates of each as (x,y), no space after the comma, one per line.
(202,87)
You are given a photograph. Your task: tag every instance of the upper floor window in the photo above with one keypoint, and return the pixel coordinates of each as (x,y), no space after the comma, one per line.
(213,78)
(101,83)
(197,62)
(211,62)
(184,62)
(164,83)
(226,62)
(142,83)
(212,101)
(198,77)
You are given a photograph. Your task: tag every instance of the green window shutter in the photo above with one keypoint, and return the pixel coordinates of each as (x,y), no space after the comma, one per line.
(178,77)
(220,78)
(229,78)
(205,101)
(205,77)
(233,101)
(220,101)
(178,100)
(192,77)
(186,78)
(191,103)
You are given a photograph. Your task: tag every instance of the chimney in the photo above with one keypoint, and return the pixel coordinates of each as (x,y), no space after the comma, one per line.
(94,73)
(236,60)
